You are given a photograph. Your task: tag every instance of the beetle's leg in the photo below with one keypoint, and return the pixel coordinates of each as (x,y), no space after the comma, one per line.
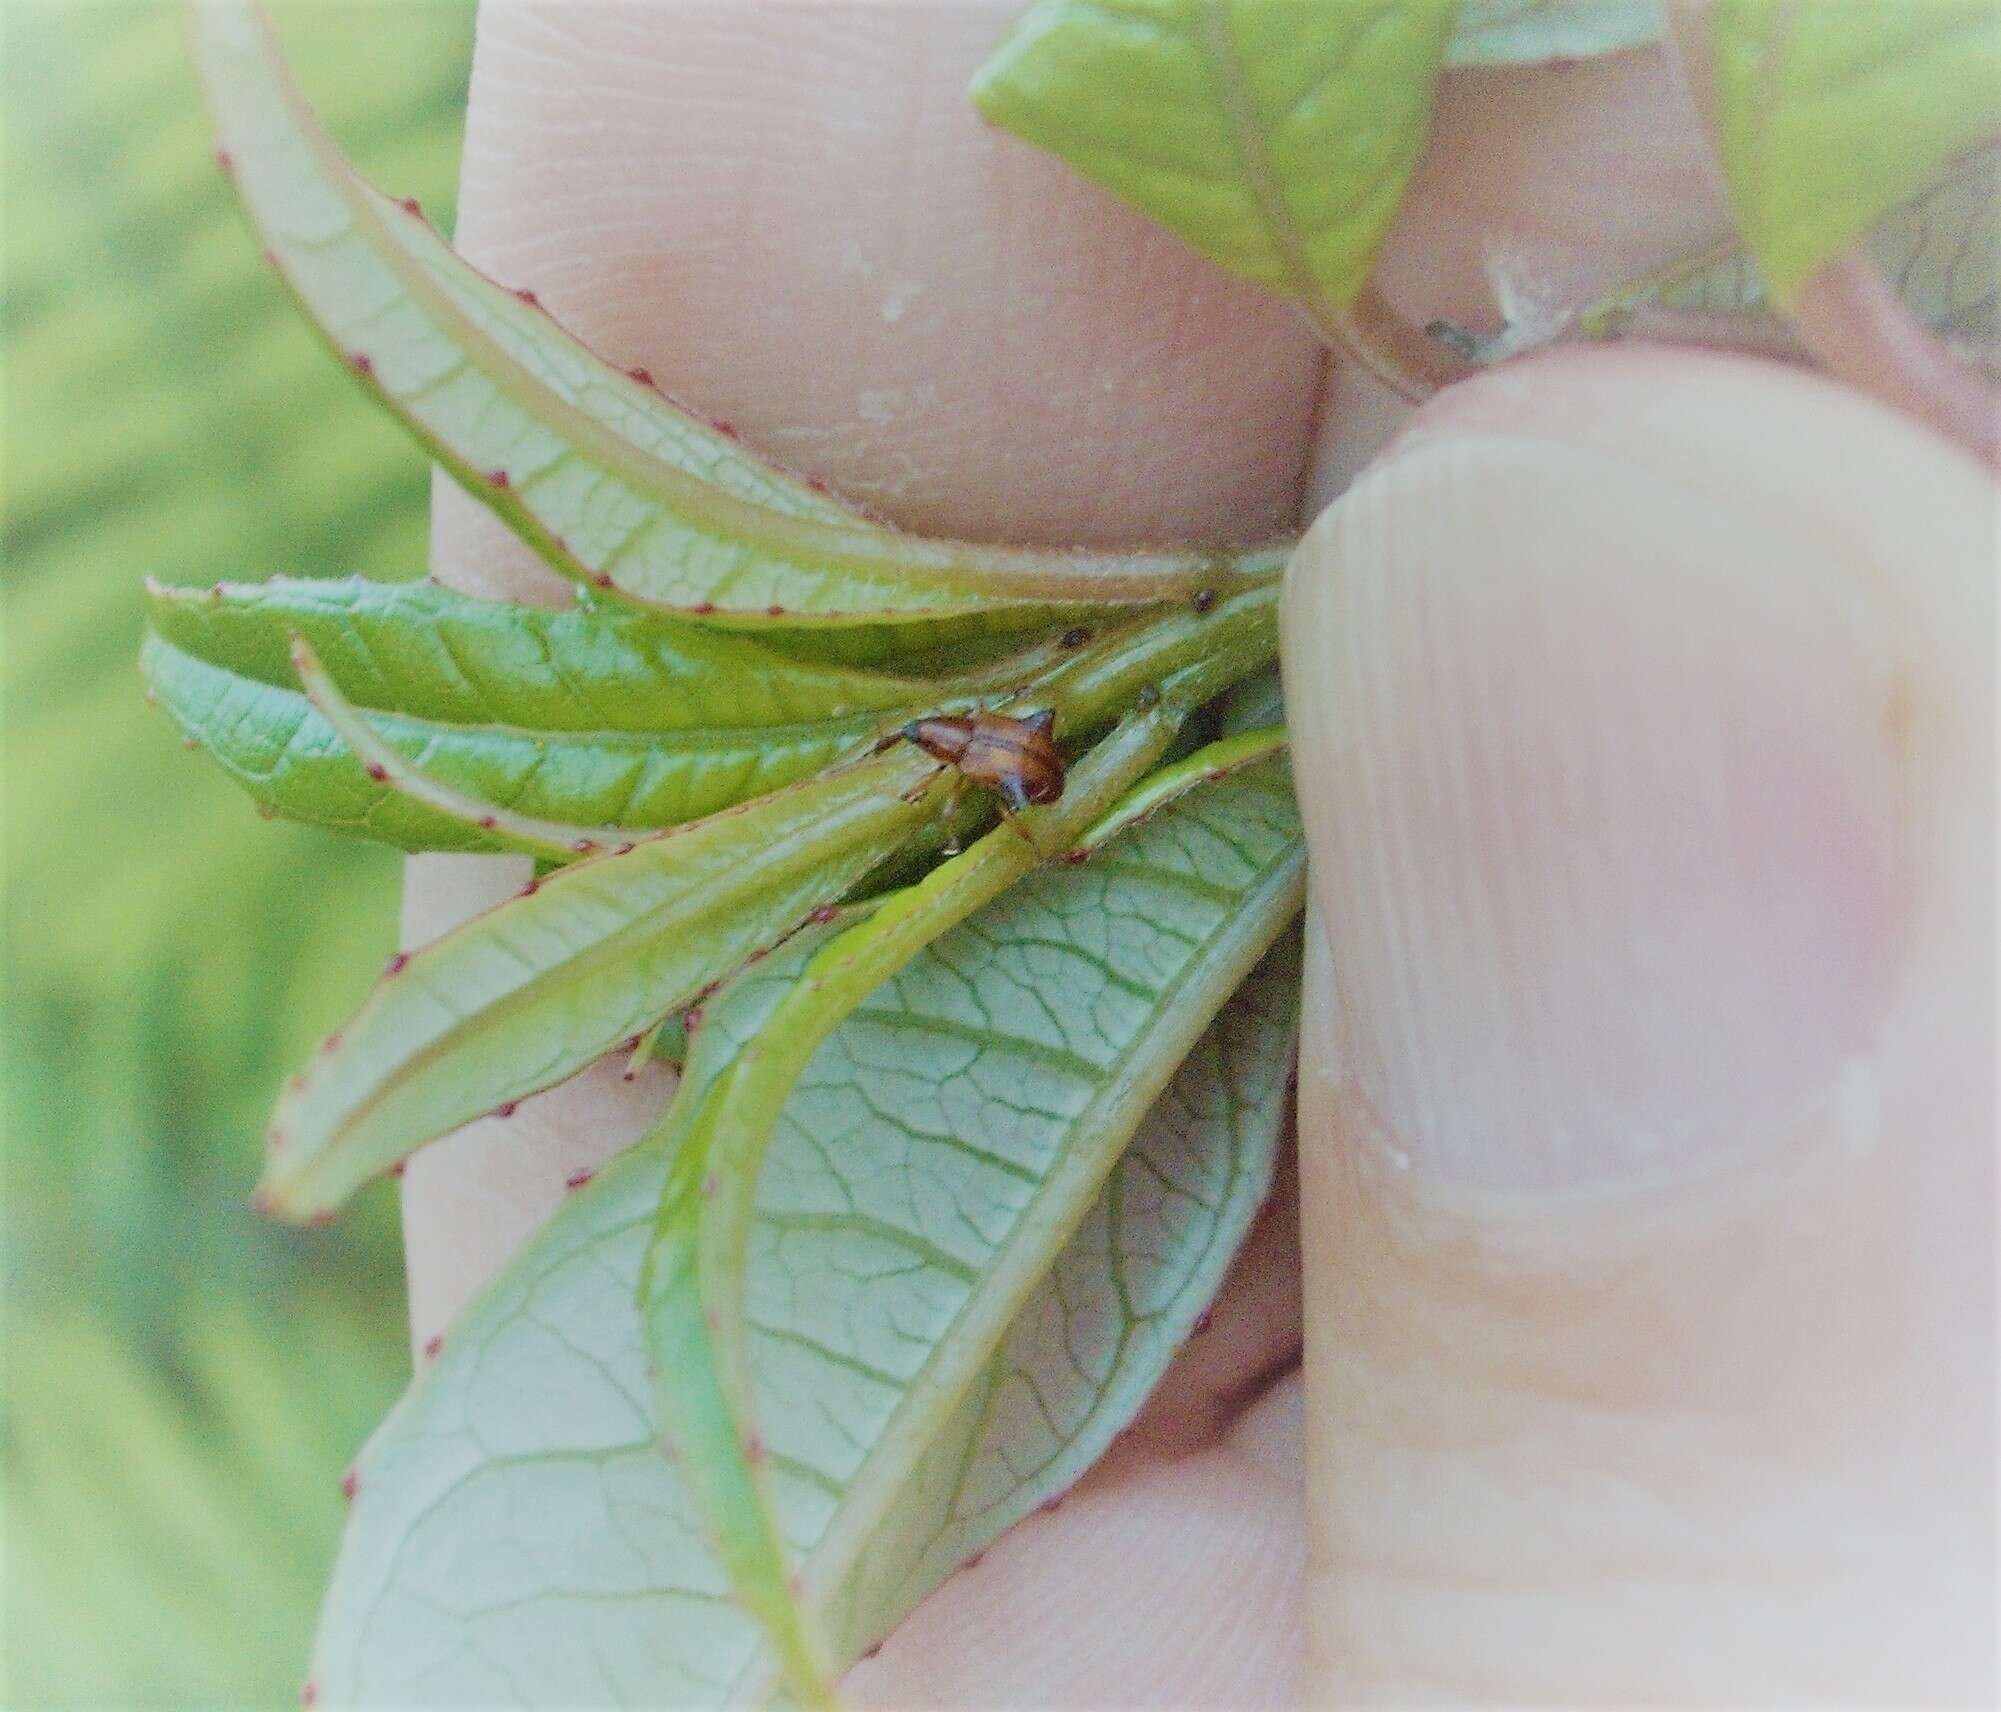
(1013,797)
(917,792)
(1020,826)
(952,845)
(908,734)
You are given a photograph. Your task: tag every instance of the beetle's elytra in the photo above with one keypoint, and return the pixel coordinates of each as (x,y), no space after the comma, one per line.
(1013,758)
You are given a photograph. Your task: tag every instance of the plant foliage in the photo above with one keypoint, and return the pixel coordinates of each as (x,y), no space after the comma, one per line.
(724,804)
(960,1125)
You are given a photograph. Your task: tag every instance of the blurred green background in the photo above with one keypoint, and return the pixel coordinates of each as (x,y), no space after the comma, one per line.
(183,1383)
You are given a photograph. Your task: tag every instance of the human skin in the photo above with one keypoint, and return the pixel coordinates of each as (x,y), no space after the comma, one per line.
(1642,714)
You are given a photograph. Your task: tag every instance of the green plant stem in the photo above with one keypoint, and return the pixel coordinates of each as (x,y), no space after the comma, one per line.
(1194,654)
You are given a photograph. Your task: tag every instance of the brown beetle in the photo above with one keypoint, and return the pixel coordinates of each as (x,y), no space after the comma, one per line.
(1013,758)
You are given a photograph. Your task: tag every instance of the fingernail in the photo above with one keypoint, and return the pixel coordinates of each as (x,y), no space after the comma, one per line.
(1600,783)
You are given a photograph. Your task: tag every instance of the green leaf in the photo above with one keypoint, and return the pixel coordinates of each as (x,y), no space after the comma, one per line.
(1207,765)
(1941,252)
(608,718)
(529,993)
(517,1538)
(289,759)
(1720,280)
(1828,116)
(422,649)
(1256,702)
(613,484)
(691,1289)
(1128,1289)
(1274,137)
(548,841)
(1535,32)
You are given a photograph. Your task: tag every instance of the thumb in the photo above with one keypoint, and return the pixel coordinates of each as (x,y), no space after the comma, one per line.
(1643,720)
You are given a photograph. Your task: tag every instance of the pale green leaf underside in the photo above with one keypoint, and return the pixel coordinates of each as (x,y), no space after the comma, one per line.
(1129,1286)
(613,484)
(526,995)
(1535,32)
(1829,115)
(518,1539)
(1941,253)
(1275,137)
(1720,280)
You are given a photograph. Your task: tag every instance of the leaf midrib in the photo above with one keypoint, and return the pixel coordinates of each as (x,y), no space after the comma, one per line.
(1126,1090)
(1018,575)
(804,843)
(693,741)
(1247,145)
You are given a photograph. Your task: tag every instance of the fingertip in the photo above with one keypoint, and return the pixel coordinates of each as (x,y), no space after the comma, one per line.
(795,219)
(1643,714)
(1601,790)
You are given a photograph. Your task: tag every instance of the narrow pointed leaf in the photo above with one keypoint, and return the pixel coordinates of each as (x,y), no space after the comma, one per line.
(608,718)
(546,840)
(290,761)
(1274,137)
(517,1537)
(1208,765)
(1828,116)
(424,650)
(612,483)
(527,994)
(600,713)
